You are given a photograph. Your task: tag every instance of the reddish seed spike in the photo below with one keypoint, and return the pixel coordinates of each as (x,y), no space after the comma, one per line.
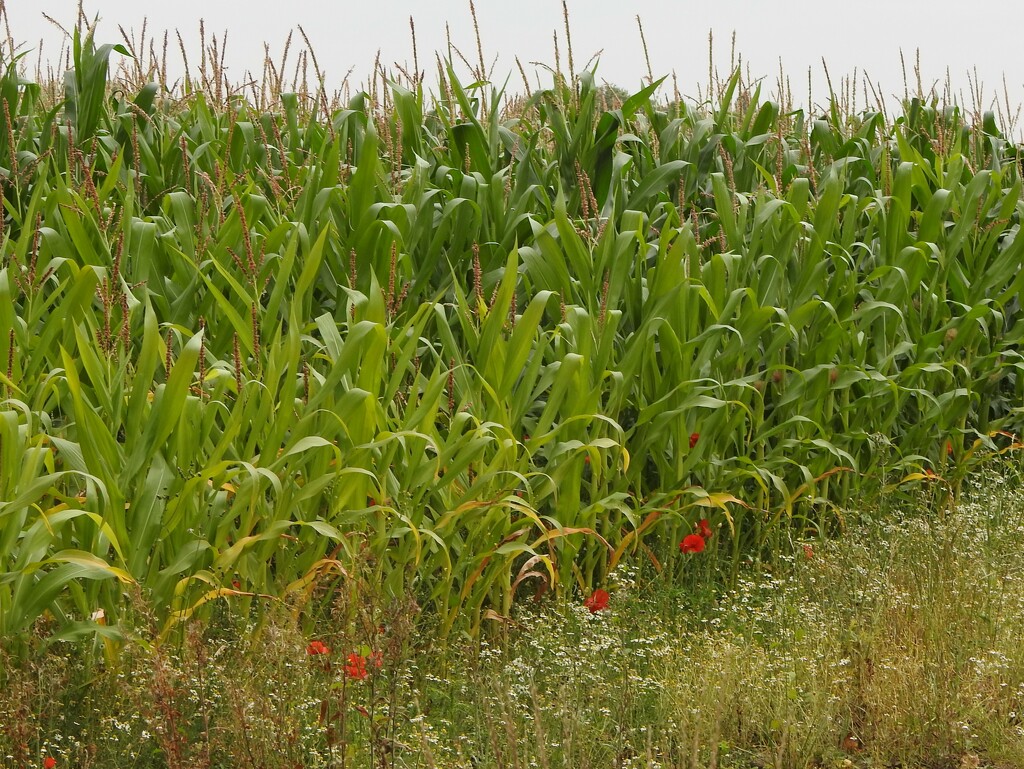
(17,273)
(35,251)
(184,158)
(238,365)
(780,159)
(588,193)
(105,295)
(255,335)
(391,279)
(478,288)
(237,260)
(167,354)
(10,355)
(584,200)
(402,297)
(246,238)
(137,161)
(126,339)
(11,145)
(280,149)
(115,277)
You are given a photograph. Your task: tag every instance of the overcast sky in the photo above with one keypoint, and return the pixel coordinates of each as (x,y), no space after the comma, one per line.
(868,34)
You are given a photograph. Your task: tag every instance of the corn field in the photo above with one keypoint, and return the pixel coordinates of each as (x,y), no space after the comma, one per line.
(491,344)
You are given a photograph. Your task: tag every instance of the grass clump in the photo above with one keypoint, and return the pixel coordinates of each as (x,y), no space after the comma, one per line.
(895,645)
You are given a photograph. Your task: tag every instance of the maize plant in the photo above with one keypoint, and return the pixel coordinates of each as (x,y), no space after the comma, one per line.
(496,344)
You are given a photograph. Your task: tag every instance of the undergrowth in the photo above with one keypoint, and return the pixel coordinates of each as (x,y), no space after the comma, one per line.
(897,644)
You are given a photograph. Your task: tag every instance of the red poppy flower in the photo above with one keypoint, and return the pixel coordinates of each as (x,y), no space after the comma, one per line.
(49,762)
(704,529)
(692,543)
(808,552)
(377,658)
(317,647)
(694,437)
(949,448)
(355,666)
(598,600)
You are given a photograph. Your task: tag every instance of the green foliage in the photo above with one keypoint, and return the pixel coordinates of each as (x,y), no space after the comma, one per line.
(500,348)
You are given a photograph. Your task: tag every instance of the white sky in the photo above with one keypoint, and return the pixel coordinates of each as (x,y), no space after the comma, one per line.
(868,34)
